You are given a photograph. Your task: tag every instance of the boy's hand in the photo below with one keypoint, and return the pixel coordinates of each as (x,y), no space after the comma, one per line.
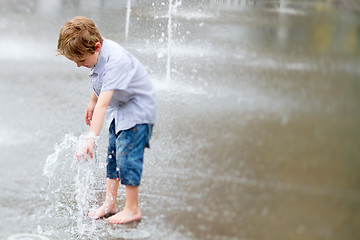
(90,148)
(89,113)
(86,146)
(90,109)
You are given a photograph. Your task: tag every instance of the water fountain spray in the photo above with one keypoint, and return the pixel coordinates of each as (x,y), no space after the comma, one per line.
(128,12)
(172,8)
(168,62)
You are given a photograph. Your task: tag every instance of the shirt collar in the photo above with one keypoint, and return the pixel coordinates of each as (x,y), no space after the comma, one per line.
(98,68)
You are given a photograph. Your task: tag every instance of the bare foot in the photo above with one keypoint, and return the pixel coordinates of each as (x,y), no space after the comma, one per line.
(125,216)
(104,211)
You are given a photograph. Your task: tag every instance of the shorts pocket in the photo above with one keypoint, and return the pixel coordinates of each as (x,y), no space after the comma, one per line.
(125,142)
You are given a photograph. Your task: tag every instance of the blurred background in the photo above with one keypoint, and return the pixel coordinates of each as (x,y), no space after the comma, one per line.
(258,123)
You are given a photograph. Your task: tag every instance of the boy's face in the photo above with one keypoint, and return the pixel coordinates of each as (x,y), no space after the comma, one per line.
(88,60)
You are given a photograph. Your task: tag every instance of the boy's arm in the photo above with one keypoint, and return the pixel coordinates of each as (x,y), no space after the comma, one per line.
(90,109)
(98,119)
(100,111)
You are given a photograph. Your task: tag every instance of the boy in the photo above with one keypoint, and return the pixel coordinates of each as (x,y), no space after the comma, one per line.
(124,97)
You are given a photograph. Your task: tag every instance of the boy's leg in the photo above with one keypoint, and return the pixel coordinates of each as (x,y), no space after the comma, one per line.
(109,205)
(130,145)
(131,210)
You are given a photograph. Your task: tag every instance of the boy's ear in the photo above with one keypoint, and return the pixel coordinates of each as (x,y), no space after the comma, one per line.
(97,46)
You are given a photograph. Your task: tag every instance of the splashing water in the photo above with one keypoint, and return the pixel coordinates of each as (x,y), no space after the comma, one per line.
(85,194)
(71,180)
(52,162)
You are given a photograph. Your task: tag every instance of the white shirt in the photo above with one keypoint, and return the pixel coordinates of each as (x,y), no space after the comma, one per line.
(133,101)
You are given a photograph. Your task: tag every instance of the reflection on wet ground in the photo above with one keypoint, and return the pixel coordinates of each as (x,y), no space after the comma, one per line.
(258,128)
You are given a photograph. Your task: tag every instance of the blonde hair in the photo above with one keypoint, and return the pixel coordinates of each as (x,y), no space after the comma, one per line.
(77,38)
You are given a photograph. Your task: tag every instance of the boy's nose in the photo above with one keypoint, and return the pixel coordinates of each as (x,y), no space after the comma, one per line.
(78,64)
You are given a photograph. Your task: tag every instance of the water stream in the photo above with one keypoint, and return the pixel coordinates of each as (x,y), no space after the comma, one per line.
(128,13)
(71,180)
(169,44)
(173,5)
